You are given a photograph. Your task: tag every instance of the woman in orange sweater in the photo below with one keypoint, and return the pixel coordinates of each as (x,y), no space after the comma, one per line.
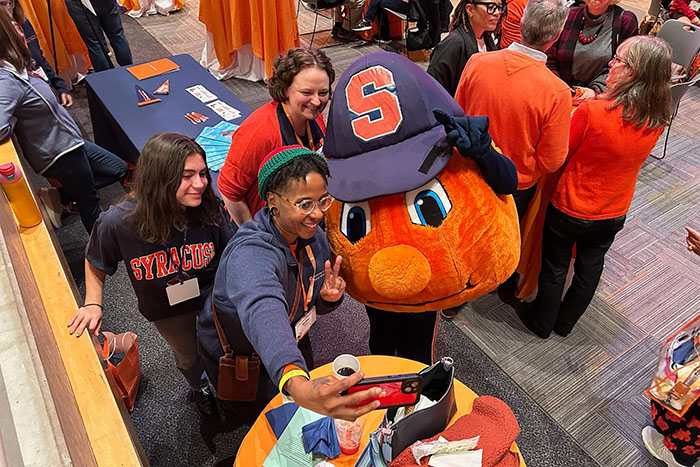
(609,140)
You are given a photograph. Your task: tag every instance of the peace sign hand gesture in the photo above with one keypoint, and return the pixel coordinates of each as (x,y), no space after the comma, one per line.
(333,285)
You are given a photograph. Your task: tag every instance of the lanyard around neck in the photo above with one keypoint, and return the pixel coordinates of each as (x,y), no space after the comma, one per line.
(180,253)
(309,136)
(308,295)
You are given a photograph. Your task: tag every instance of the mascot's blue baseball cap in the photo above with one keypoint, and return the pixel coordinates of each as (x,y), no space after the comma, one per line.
(382,137)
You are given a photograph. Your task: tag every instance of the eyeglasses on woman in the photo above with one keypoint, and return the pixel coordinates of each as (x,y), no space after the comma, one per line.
(307,206)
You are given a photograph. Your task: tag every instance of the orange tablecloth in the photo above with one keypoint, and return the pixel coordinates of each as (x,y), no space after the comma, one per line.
(270,26)
(69,46)
(260,439)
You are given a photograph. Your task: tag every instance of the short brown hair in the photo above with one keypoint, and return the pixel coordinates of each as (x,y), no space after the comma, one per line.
(288,66)
(12,46)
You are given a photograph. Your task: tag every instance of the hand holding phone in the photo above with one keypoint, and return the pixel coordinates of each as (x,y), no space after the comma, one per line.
(396,390)
(323,395)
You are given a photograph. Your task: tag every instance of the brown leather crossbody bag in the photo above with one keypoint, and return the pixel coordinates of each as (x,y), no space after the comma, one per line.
(238,372)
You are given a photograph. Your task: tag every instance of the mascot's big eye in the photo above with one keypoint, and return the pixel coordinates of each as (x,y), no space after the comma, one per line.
(429,204)
(355,221)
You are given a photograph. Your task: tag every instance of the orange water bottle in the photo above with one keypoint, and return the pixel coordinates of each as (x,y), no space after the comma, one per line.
(15,187)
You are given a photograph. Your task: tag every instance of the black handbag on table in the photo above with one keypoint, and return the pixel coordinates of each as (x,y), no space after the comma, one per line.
(438,385)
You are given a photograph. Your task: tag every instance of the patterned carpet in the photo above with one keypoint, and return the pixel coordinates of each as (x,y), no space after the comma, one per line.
(592,381)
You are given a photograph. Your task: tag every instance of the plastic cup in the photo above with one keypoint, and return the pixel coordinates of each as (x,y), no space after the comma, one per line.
(345,365)
(349,434)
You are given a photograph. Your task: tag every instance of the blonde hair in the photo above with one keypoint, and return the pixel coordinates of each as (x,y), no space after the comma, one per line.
(646,96)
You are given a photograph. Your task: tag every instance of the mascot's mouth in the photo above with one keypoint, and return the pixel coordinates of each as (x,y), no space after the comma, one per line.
(467,286)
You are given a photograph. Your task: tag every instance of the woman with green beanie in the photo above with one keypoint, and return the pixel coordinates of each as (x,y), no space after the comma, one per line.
(274,277)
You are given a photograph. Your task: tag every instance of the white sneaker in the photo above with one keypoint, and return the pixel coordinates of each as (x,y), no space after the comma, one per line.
(654,442)
(51,200)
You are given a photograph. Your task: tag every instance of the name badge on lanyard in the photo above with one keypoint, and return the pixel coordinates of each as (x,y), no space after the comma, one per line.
(305,323)
(309,318)
(182,291)
(181,288)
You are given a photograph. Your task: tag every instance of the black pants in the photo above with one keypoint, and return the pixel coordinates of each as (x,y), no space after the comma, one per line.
(91,28)
(592,239)
(407,335)
(74,172)
(248,412)
(522,199)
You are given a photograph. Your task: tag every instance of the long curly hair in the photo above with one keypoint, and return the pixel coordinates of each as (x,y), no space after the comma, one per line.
(645,96)
(156,214)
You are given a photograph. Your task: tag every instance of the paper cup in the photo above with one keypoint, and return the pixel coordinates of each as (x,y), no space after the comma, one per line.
(345,365)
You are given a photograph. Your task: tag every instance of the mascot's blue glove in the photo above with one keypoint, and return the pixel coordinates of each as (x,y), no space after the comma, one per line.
(470,135)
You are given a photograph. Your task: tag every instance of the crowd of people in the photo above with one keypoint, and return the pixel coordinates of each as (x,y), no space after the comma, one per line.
(572,96)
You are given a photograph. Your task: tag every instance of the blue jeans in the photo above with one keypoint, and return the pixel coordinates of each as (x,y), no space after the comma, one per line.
(106,167)
(91,29)
(73,171)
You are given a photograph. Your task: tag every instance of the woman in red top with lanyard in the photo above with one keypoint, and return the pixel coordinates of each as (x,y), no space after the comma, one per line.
(300,88)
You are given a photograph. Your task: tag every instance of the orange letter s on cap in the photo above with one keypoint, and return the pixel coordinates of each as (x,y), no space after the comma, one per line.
(363,100)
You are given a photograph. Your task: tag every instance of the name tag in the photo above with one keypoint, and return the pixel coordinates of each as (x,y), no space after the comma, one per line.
(182,291)
(305,323)
(694,5)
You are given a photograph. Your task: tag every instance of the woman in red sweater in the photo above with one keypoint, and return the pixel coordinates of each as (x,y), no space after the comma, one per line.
(300,88)
(609,140)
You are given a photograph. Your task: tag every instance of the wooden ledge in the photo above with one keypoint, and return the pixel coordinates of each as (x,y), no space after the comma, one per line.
(96,426)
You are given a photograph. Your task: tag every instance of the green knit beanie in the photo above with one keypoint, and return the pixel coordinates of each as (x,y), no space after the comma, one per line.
(279,158)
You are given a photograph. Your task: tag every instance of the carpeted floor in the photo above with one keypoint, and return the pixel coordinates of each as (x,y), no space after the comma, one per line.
(166,422)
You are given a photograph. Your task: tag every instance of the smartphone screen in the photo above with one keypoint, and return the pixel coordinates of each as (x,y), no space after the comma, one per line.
(398,390)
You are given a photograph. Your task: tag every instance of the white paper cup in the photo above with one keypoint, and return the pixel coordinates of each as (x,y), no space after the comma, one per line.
(342,363)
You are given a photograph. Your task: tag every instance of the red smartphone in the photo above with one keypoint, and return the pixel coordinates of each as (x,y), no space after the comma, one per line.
(397,390)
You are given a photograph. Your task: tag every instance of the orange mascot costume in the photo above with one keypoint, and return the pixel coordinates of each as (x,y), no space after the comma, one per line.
(419,225)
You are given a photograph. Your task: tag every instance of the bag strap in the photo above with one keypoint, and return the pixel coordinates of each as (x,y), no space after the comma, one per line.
(238,334)
(222,336)
(241,346)
(297,293)
(106,352)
